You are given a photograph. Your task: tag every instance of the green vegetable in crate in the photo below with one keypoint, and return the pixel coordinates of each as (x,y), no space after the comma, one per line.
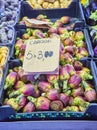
(73,50)
(62,60)
(94,15)
(80,43)
(18,45)
(41,103)
(82,52)
(64,98)
(89,92)
(78,65)
(9,91)
(56,105)
(71,108)
(52,30)
(78,101)
(52,94)
(70,69)
(68,58)
(58,23)
(62,30)
(23,77)
(65,19)
(21,100)
(64,76)
(25,36)
(74,81)
(65,35)
(68,41)
(12,102)
(38,34)
(19,84)
(16,103)
(37,92)
(44,86)
(54,80)
(29,31)
(27,90)
(29,107)
(85,74)
(65,86)
(79,36)
(11,79)
(72,35)
(83,107)
(77,92)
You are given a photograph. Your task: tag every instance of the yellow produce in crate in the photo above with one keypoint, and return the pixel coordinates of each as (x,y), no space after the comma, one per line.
(4,51)
(84,2)
(46,4)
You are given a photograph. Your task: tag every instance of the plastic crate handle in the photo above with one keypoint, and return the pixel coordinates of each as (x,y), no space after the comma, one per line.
(91,111)
(5,112)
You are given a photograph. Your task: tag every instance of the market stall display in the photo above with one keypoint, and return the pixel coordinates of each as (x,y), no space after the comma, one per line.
(69,94)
